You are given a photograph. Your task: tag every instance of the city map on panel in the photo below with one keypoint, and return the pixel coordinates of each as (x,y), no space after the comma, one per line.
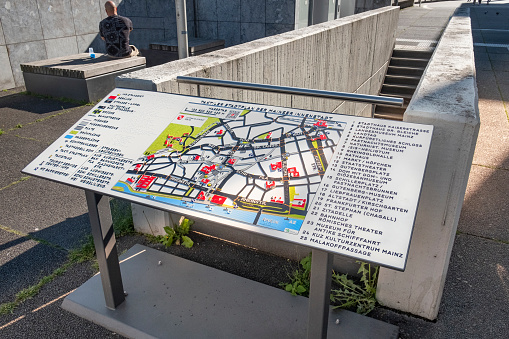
(259,166)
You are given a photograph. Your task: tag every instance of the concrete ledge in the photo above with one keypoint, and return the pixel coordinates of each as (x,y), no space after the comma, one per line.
(77,76)
(89,89)
(446,97)
(81,65)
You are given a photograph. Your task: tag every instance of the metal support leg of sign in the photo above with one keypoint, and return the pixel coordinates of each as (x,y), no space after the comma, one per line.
(319,294)
(104,241)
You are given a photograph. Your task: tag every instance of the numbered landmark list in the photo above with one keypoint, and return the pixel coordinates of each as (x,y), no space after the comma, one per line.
(366,204)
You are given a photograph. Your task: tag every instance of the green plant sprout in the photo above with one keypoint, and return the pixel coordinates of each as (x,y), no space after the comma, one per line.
(348,295)
(300,279)
(178,234)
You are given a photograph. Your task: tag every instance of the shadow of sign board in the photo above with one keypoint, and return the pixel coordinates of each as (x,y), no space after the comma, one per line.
(343,184)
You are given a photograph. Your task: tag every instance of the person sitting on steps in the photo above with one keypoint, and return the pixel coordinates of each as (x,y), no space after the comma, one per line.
(115,31)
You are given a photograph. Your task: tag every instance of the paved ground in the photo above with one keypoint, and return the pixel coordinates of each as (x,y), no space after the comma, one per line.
(41,221)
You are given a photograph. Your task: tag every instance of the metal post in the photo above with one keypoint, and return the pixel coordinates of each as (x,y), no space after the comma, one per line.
(336,9)
(180,9)
(319,294)
(371,99)
(104,241)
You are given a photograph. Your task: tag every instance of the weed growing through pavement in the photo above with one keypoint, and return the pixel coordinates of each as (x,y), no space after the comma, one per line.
(351,294)
(31,291)
(177,234)
(300,278)
(346,293)
(15,182)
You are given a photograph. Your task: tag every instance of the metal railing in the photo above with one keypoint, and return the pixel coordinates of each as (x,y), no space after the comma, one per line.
(371,99)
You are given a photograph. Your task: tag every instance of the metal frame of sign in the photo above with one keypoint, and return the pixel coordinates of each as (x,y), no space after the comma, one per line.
(372,172)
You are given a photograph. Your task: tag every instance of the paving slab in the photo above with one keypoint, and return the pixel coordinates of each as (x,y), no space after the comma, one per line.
(499,65)
(16,153)
(485,210)
(481,49)
(486,85)
(492,148)
(42,317)
(501,57)
(475,303)
(503,87)
(49,130)
(502,77)
(495,36)
(21,109)
(23,262)
(46,210)
(491,16)
(482,61)
(429,34)
(497,50)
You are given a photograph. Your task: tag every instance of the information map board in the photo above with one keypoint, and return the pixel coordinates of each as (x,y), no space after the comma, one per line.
(344,184)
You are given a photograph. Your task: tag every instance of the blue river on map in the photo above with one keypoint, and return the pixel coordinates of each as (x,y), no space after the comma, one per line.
(266,220)
(279,223)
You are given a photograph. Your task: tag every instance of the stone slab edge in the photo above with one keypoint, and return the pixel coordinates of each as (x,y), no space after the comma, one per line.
(80,65)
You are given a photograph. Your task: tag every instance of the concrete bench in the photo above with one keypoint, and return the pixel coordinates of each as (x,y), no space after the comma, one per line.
(77,76)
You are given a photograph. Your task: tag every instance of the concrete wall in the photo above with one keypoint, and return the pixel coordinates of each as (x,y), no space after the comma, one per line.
(446,98)
(349,54)
(154,20)
(239,21)
(32,30)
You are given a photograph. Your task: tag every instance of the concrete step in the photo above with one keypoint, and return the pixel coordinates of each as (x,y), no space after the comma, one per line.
(389,116)
(409,53)
(388,109)
(400,70)
(406,96)
(408,62)
(399,88)
(402,79)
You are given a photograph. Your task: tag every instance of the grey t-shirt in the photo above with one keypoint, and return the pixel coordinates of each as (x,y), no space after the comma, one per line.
(115,30)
